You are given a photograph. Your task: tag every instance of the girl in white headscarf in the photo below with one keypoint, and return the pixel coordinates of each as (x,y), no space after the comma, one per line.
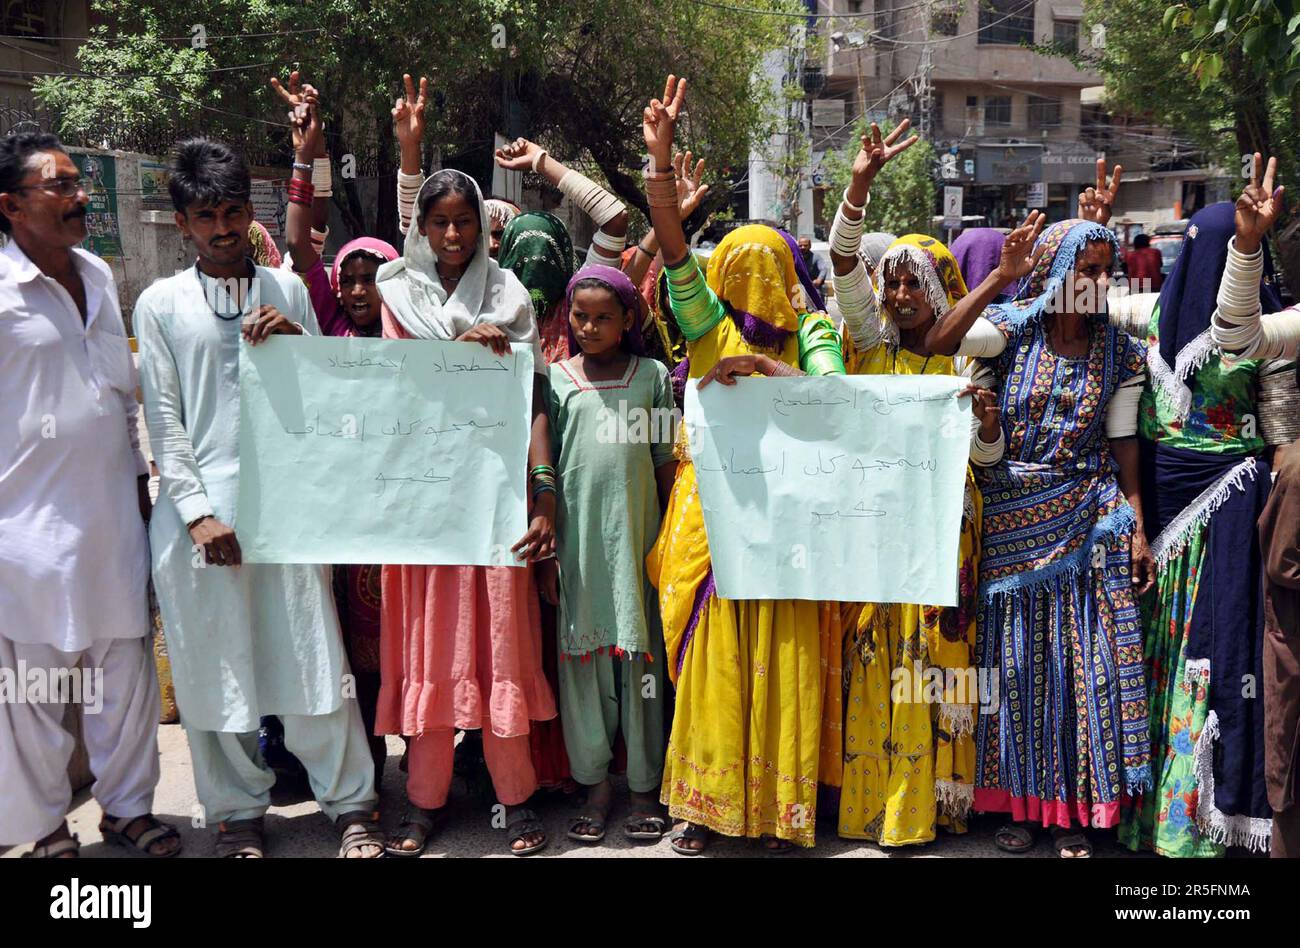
(461,645)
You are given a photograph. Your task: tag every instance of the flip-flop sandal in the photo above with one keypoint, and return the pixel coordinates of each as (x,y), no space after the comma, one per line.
(592,819)
(114,830)
(417,824)
(525,823)
(634,827)
(57,849)
(1023,839)
(361,829)
(692,832)
(1064,841)
(783,847)
(241,839)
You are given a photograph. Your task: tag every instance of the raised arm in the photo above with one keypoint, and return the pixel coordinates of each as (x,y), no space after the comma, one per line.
(606,210)
(874,155)
(1238,327)
(659,121)
(308,141)
(408,126)
(1019,258)
(853,291)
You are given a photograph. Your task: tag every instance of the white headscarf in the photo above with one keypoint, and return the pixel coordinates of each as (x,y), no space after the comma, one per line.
(486,293)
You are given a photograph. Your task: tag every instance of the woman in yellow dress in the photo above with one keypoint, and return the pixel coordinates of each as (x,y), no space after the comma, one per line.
(911,689)
(743,754)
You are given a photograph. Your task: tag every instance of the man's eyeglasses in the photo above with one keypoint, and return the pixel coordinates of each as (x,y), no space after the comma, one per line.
(63,187)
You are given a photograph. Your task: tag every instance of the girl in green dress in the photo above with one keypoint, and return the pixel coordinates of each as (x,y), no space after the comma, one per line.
(612,413)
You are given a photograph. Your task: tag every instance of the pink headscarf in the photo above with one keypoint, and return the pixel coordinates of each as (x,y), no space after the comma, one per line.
(265,252)
(370,246)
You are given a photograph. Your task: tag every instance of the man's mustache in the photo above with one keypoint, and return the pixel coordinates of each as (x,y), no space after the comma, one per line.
(78,211)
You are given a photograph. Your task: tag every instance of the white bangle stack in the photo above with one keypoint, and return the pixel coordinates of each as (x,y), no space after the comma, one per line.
(1236,325)
(322,178)
(408,189)
(609,242)
(597,203)
(846,232)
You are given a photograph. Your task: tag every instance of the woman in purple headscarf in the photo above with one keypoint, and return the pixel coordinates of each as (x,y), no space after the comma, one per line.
(611,413)
(978,252)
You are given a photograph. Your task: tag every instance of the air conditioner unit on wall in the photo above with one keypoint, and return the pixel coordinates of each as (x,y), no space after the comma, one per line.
(828,112)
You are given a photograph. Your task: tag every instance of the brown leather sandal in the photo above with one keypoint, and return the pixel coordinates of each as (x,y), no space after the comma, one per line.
(115,830)
(241,839)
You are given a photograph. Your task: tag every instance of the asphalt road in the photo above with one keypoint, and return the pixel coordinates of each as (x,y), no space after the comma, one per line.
(297,827)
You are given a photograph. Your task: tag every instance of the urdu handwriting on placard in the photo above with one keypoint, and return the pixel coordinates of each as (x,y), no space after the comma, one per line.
(350,429)
(366,362)
(880,464)
(859,511)
(442,365)
(884,406)
(398,429)
(729,467)
(429,477)
(808,401)
(823,466)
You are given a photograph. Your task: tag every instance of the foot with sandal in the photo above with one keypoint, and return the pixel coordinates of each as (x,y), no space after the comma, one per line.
(589,825)
(689,839)
(146,834)
(527,835)
(412,835)
(646,822)
(1020,838)
(61,844)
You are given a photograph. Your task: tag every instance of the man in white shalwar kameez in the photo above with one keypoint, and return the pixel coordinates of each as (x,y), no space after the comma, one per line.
(244,640)
(74,560)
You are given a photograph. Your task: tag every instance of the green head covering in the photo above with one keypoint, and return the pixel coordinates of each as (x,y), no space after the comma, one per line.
(537,248)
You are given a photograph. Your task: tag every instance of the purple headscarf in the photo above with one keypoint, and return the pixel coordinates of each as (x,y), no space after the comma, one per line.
(978,252)
(816,303)
(627,294)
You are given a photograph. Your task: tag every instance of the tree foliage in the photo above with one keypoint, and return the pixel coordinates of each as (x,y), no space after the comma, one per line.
(574,76)
(1223,73)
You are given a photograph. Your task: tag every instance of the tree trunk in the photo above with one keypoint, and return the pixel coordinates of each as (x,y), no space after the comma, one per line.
(1286,243)
(386,223)
(1255,134)
(347,199)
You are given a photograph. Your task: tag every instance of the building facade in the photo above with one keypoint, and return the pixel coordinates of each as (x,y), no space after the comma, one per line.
(1013,127)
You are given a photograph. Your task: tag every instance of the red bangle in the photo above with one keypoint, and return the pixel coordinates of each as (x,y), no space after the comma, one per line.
(301,192)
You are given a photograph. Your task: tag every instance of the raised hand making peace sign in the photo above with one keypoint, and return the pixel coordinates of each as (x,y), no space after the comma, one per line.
(1098,203)
(408,112)
(1258,206)
(304,114)
(659,121)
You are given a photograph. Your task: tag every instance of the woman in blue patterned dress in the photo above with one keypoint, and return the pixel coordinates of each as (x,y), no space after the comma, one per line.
(1065,734)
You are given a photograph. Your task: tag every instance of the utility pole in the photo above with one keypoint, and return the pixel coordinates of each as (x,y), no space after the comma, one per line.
(925,90)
